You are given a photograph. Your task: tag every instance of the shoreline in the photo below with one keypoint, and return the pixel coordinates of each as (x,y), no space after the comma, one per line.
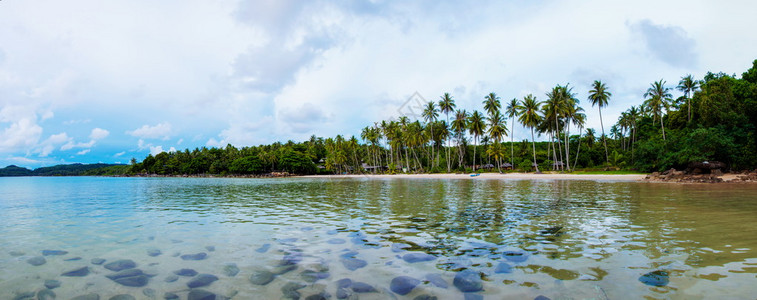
(514,176)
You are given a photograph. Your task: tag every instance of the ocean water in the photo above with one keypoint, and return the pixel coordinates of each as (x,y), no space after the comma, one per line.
(378,238)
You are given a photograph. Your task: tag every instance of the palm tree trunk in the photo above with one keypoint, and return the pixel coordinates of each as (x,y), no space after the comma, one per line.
(512,151)
(579,147)
(475,138)
(567,146)
(533,146)
(662,124)
(604,139)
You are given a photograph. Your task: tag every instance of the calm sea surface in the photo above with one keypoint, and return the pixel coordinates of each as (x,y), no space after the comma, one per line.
(300,237)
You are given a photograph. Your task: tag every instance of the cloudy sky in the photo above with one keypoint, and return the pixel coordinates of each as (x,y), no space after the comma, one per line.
(105,81)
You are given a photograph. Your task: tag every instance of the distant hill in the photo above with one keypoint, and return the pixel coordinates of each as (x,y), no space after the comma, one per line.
(66,170)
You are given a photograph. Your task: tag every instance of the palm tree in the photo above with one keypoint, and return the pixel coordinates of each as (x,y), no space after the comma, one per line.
(688,86)
(496,130)
(446,106)
(430,113)
(491,103)
(529,117)
(512,112)
(459,124)
(476,127)
(659,98)
(599,95)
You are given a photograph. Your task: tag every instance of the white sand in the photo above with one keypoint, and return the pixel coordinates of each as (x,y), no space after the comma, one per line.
(516,176)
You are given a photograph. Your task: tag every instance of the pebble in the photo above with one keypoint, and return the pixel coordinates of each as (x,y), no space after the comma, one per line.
(196,256)
(171,278)
(45,294)
(263,249)
(437,280)
(425,297)
(541,297)
(185,272)
(262,277)
(24,296)
(51,283)
(198,294)
(80,272)
(129,277)
(154,252)
(290,289)
(73,259)
(36,261)
(418,257)
(343,283)
(90,296)
(230,269)
(210,248)
(201,280)
(149,293)
(503,268)
(353,264)
(97,261)
(321,296)
(362,287)
(403,284)
(313,276)
(121,264)
(170,296)
(655,278)
(53,252)
(122,297)
(468,281)
(283,269)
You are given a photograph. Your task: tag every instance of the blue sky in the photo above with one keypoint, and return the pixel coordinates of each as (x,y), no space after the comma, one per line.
(105,81)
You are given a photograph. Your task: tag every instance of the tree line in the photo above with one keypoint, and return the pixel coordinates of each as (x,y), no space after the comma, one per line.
(713,119)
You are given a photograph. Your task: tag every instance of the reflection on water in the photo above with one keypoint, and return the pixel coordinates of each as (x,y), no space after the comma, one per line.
(519,238)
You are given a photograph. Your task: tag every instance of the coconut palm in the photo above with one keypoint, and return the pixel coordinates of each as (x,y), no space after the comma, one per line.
(492,104)
(600,95)
(530,117)
(496,130)
(512,112)
(430,113)
(658,99)
(688,86)
(446,106)
(476,127)
(459,125)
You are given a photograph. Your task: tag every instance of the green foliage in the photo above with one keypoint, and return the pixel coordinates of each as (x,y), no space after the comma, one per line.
(247,165)
(67,170)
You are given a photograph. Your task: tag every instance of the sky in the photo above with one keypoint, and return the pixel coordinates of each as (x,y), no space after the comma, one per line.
(105,81)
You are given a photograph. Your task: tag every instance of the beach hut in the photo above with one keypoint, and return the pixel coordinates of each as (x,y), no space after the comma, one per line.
(506,166)
(558,164)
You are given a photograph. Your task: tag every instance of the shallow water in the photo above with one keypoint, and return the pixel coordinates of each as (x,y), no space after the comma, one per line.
(559,238)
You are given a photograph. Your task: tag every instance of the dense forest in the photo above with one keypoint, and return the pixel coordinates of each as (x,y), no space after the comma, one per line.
(714,119)
(67,170)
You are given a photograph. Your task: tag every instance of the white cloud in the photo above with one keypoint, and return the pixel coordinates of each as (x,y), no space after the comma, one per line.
(85,151)
(98,134)
(119,154)
(159,131)
(71,145)
(52,142)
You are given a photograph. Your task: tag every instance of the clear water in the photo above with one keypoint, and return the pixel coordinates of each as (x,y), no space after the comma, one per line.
(580,239)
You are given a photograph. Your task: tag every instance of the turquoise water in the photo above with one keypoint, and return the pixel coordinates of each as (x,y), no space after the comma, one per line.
(519,238)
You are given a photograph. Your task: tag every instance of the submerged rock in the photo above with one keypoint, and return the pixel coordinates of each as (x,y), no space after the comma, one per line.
(36,261)
(418,257)
(230,269)
(313,276)
(170,296)
(262,277)
(80,272)
(154,252)
(53,252)
(17,253)
(97,261)
(263,249)
(210,248)
(399,247)
(362,287)
(122,297)
(149,293)
(198,294)
(278,270)
(468,281)
(541,297)
(319,296)
(290,290)
(425,297)
(655,278)
(196,256)
(171,278)
(503,268)
(121,264)
(24,296)
(51,283)
(344,283)
(185,272)
(45,294)
(202,280)
(403,284)
(73,259)
(437,280)
(130,277)
(515,256)
(90,296)
(353,264)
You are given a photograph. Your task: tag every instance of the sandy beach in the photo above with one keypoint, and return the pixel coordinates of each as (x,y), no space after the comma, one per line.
(514,176)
